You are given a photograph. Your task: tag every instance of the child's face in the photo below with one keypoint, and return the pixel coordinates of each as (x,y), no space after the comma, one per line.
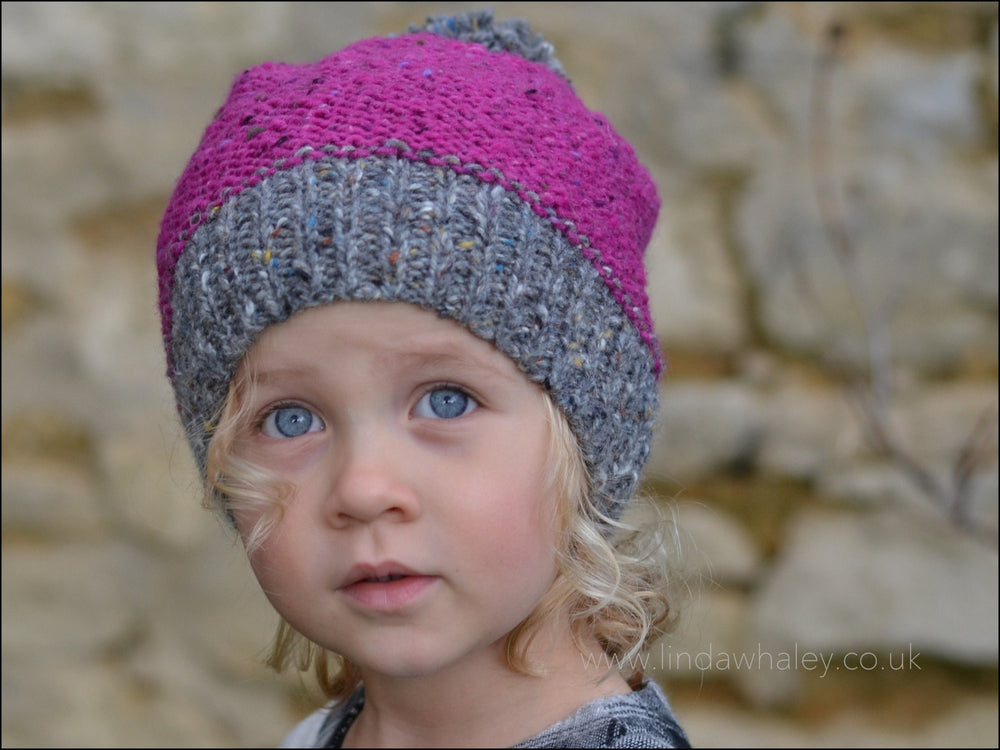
(415,449)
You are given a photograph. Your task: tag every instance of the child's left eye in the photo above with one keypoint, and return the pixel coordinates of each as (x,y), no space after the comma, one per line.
(445,403)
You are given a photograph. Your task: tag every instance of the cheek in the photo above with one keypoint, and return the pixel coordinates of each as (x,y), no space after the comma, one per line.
(256,522)
(246,519)
(524,502)
(269,558)
(275,541)
(512,526)
(288,579)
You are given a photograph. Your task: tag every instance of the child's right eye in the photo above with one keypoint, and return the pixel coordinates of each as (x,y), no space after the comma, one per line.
(290,422)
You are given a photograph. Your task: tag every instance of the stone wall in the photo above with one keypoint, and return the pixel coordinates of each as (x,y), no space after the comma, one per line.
(825,272)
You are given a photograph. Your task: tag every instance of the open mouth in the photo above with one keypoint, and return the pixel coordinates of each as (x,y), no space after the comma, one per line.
(382,579)
(389,593)
(382,572)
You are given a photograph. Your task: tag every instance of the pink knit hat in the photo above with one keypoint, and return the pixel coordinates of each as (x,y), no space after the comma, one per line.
(452,167)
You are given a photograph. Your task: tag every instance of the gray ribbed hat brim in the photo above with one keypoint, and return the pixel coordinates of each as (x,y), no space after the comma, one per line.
(391,229)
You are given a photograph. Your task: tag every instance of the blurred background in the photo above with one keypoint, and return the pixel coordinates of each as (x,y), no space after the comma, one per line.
(824,280)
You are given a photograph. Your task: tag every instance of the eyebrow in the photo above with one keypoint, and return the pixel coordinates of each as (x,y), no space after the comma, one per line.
(442,354)
(448,355)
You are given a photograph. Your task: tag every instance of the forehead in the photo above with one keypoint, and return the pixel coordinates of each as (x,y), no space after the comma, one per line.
(391,332)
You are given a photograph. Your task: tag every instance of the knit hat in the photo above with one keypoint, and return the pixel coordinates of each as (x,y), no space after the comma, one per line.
(451,167)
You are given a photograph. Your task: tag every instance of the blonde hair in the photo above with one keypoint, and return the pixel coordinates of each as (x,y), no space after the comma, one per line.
(613,579)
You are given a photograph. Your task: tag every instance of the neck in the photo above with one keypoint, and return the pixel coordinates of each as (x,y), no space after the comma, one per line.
(482,702)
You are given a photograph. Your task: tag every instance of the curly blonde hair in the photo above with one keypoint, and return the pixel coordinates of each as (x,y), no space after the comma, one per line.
(614,575)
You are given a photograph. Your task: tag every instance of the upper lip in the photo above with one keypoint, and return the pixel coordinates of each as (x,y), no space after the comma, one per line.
(365,571)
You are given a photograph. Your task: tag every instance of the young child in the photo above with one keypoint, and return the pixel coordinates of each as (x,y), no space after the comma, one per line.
(405,318)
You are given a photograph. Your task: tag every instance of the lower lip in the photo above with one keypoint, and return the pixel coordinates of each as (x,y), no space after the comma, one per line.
(387,596)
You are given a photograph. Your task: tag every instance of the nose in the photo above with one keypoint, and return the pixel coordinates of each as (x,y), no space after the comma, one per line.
(370,482)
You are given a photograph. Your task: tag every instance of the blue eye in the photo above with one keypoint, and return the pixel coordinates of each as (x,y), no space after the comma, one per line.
(445,403)
(290,422)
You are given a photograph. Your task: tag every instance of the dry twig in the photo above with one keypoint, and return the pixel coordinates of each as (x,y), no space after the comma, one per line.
(871,391)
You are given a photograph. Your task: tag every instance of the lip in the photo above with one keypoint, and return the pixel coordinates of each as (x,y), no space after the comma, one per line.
(362,587)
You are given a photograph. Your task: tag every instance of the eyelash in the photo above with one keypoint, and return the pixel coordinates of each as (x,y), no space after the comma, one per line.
(272,408)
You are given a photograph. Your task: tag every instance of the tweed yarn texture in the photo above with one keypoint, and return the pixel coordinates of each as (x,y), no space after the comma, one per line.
(640,719)
(431,170)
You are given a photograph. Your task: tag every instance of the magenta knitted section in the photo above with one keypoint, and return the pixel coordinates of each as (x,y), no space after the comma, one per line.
(495,116)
